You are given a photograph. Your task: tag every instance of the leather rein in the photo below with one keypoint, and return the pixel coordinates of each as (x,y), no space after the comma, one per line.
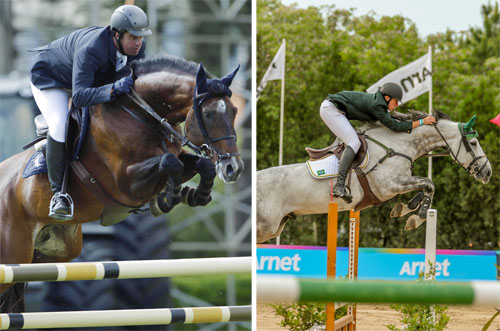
(167,131)
(473,168)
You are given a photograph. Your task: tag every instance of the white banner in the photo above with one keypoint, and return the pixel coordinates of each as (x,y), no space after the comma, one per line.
(275,71)
(415,78)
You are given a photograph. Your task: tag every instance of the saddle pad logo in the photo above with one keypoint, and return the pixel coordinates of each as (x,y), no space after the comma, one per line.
(321,172)
(36,165)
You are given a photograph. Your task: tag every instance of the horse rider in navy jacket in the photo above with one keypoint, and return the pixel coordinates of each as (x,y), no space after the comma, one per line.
(84,65)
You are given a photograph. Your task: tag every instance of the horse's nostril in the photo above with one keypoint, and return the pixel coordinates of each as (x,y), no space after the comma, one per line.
(229,171)
(488,174)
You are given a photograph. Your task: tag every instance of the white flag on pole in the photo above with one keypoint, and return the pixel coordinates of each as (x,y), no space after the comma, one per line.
(415,78)
(275,71)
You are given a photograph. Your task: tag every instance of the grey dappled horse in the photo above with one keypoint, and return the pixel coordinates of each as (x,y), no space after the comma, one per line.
(289,190)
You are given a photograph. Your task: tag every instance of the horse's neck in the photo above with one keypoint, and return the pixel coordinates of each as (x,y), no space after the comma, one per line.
(170,94)
(421,141)
(427,138)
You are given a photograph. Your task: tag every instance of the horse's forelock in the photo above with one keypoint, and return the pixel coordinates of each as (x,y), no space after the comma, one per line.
(216,88)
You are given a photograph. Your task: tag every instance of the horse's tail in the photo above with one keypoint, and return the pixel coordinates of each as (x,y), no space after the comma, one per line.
(12,300)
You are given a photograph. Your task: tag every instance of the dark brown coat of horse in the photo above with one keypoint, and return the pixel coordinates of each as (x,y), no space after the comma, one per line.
(126,157)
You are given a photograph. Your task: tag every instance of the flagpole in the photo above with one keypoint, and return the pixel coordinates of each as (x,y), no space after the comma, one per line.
(430,113)
(282,115)
(282,110)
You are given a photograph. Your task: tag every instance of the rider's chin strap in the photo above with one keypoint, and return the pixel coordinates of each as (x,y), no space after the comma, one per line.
(118,40)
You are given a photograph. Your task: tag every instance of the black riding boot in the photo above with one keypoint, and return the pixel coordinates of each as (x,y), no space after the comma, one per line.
(61,203)
(344,166)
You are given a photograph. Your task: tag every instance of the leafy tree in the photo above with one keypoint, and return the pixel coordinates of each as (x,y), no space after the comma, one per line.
(330,50)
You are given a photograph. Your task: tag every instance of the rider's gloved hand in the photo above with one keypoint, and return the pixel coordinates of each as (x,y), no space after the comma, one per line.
(122,86)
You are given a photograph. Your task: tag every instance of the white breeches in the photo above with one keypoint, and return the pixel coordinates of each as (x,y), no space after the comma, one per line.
(339,124)
(53,104)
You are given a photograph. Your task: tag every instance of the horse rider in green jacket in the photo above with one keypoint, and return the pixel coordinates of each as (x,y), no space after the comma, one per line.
(339,108)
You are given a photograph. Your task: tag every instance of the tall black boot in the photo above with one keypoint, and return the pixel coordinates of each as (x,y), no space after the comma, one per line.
(61,203)
(344,166)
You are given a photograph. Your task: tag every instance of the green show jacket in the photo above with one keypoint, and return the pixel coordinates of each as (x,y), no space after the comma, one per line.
(367,107)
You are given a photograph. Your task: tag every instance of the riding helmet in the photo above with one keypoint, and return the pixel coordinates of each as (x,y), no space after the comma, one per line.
(393,90)
(131,19)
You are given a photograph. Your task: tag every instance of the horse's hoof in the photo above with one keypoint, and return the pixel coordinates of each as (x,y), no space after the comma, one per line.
(414,222)
(397,211)
(154,208)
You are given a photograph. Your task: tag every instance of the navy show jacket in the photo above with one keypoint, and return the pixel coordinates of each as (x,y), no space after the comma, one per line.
(83,61)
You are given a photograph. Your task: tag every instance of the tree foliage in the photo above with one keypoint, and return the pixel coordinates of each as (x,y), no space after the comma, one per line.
(330,50)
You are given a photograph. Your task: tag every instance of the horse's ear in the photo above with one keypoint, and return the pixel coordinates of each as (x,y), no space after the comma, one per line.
(228,79)
(201,80)
(468,126)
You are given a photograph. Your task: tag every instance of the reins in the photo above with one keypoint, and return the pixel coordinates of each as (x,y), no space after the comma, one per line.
(168,132)
(467,148)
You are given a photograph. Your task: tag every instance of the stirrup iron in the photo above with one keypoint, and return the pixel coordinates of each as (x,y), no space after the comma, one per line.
(61,217)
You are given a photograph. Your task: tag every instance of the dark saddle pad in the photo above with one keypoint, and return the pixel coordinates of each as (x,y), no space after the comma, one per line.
(36,165)
(77,129)
(317,154)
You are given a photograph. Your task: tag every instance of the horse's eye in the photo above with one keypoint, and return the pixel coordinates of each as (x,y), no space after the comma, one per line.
(473,143)
(208,115)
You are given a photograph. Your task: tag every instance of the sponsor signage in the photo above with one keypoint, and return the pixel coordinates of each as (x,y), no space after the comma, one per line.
(378,263)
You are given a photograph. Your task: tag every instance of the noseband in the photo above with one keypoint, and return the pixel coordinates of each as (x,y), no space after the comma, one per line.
(473,168)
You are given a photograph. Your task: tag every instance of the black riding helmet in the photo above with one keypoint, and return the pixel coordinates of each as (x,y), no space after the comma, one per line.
(131,19)
(393,90)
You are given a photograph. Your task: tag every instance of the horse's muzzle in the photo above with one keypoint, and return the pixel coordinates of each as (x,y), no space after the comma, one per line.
(229,169)
(483,174)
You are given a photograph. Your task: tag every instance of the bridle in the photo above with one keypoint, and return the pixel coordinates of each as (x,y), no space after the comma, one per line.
(473,168)
(207,150)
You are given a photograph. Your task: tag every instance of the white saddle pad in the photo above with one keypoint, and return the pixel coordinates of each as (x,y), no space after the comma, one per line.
(328,167)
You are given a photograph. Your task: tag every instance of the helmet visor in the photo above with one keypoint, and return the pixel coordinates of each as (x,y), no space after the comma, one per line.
(139,33)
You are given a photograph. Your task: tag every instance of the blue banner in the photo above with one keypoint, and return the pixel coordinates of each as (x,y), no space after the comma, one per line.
(387,264)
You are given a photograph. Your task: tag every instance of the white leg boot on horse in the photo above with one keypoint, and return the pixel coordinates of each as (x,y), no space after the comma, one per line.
(60,205)
(346,159)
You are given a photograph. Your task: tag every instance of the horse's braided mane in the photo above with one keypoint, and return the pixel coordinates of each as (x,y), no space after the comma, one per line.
(164,62)
(412,115)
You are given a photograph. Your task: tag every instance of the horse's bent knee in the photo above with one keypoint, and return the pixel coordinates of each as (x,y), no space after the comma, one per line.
(170,164)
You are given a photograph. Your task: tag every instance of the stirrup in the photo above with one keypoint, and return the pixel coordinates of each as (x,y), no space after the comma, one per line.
(347,197)
(61,217)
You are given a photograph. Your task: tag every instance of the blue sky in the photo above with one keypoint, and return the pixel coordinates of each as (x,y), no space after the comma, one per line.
(430,16)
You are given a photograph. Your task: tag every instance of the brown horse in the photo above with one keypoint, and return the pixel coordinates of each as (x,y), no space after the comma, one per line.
(131,155)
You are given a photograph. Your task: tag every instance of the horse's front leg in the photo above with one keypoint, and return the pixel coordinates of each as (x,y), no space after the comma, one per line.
(404,184)
(148,177)
(199,196)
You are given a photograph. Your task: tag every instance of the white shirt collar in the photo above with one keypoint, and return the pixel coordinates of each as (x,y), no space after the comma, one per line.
(121,60)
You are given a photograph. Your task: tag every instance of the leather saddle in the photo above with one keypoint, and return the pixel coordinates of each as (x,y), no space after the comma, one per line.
(369,198)
(318,154)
